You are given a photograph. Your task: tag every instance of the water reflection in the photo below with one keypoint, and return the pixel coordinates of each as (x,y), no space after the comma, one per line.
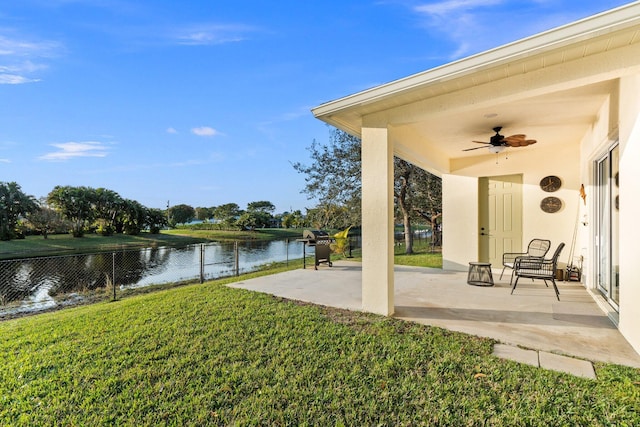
(36,284)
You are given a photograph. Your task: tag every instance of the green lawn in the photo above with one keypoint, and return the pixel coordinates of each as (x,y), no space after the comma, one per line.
(423,255)
(212,355)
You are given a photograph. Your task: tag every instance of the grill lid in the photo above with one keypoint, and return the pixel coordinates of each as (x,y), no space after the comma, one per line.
(314,234)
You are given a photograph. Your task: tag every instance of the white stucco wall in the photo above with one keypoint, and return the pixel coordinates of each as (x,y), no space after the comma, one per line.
(459,221)
(617,119)
(629,323)
(460,200)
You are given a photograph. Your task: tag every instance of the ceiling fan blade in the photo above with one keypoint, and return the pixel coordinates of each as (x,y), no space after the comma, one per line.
(499,141)
(519,136)
(520,143)
(514,140)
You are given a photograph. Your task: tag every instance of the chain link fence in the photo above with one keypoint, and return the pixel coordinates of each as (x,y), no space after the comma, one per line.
(38,284)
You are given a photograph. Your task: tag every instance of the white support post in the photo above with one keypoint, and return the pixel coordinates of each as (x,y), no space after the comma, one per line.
(377,221)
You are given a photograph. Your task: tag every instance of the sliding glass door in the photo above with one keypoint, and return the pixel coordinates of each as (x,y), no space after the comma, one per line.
(607,225)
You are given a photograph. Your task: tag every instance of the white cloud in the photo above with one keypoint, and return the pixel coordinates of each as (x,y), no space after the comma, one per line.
(450,7)
(21,48)
(26,66)
(205,131)
(465,27)
(171,130)
(5,161)
(69,150)
(470,24)
(15,69)
(13,79)
(211,34)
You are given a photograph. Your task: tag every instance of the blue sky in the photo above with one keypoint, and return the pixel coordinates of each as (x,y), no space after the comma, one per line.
(207,102)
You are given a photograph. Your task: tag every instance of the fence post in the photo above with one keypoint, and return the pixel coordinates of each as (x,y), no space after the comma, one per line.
(237,258)
(201,263)
(113,274)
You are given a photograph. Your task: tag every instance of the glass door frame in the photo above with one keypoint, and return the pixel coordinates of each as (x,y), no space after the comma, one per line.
(606,229)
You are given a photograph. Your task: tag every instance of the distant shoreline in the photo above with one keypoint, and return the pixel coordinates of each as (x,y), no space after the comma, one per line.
(65,244)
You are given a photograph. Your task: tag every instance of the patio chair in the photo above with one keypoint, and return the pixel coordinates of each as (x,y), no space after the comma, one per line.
(536,268)
(537,248)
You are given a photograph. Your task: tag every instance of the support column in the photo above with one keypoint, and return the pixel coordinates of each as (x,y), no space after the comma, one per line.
(377,221)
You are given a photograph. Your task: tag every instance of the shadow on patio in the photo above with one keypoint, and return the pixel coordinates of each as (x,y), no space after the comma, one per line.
(531,317)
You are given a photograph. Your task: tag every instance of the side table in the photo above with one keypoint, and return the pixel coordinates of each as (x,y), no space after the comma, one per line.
(480,274)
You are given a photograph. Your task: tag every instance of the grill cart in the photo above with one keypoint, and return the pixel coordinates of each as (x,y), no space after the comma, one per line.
(321,241)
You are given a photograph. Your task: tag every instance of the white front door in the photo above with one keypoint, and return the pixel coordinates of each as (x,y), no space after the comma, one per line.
(500,217)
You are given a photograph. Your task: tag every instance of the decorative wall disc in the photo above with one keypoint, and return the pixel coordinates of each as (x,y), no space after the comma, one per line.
(551,204)
(550,183)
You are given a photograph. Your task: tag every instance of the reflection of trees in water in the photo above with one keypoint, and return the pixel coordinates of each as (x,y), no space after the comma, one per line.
(37,277)
(14,281)
(261,251)
(22,278)
(96,271)
(254,247)
(79,273)
(131,267)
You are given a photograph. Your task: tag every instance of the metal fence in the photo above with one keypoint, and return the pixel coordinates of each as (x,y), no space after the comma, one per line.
(38,284)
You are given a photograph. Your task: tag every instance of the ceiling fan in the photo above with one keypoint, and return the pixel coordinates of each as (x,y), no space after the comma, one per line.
(500,142)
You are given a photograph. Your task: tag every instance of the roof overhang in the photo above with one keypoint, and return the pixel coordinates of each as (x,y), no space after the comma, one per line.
(550,86)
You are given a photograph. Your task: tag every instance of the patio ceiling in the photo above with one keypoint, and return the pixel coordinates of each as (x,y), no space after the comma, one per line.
(556,118)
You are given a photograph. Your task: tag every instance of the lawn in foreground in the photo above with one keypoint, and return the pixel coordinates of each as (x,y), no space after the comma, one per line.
(211,355)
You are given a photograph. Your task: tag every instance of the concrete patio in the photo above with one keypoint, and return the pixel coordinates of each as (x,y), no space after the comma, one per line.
(531,318)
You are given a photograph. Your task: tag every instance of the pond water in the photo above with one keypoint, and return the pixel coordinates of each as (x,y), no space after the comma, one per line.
(41,283)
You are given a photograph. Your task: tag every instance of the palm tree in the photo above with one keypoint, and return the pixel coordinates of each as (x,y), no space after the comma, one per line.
(14,205)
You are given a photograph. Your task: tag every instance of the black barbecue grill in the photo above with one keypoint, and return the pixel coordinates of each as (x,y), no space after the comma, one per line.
(321,240)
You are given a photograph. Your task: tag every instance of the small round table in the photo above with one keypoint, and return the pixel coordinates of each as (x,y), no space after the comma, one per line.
(480,274)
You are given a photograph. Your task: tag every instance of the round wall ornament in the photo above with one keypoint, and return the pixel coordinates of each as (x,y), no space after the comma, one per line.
(551,204)
(550,183)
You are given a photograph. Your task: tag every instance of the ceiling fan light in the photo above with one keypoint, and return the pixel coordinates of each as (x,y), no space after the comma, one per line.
(496,149)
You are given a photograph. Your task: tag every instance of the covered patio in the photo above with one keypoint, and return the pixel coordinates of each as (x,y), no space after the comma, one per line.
(574,90)
(531,318)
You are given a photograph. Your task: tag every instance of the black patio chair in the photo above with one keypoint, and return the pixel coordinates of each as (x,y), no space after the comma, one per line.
(536,268)
(537,248)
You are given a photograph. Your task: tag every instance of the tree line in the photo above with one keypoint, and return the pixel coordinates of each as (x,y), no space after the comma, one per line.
(81,210)
(75,210)
(334,178)
(259,214)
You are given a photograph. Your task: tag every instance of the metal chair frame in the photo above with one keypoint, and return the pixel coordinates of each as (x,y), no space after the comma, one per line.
(537,248)
(536,268)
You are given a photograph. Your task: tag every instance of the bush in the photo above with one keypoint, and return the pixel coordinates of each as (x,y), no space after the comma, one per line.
(209,226)
(104,229)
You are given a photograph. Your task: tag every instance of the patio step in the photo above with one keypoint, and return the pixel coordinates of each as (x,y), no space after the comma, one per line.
(546,360)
